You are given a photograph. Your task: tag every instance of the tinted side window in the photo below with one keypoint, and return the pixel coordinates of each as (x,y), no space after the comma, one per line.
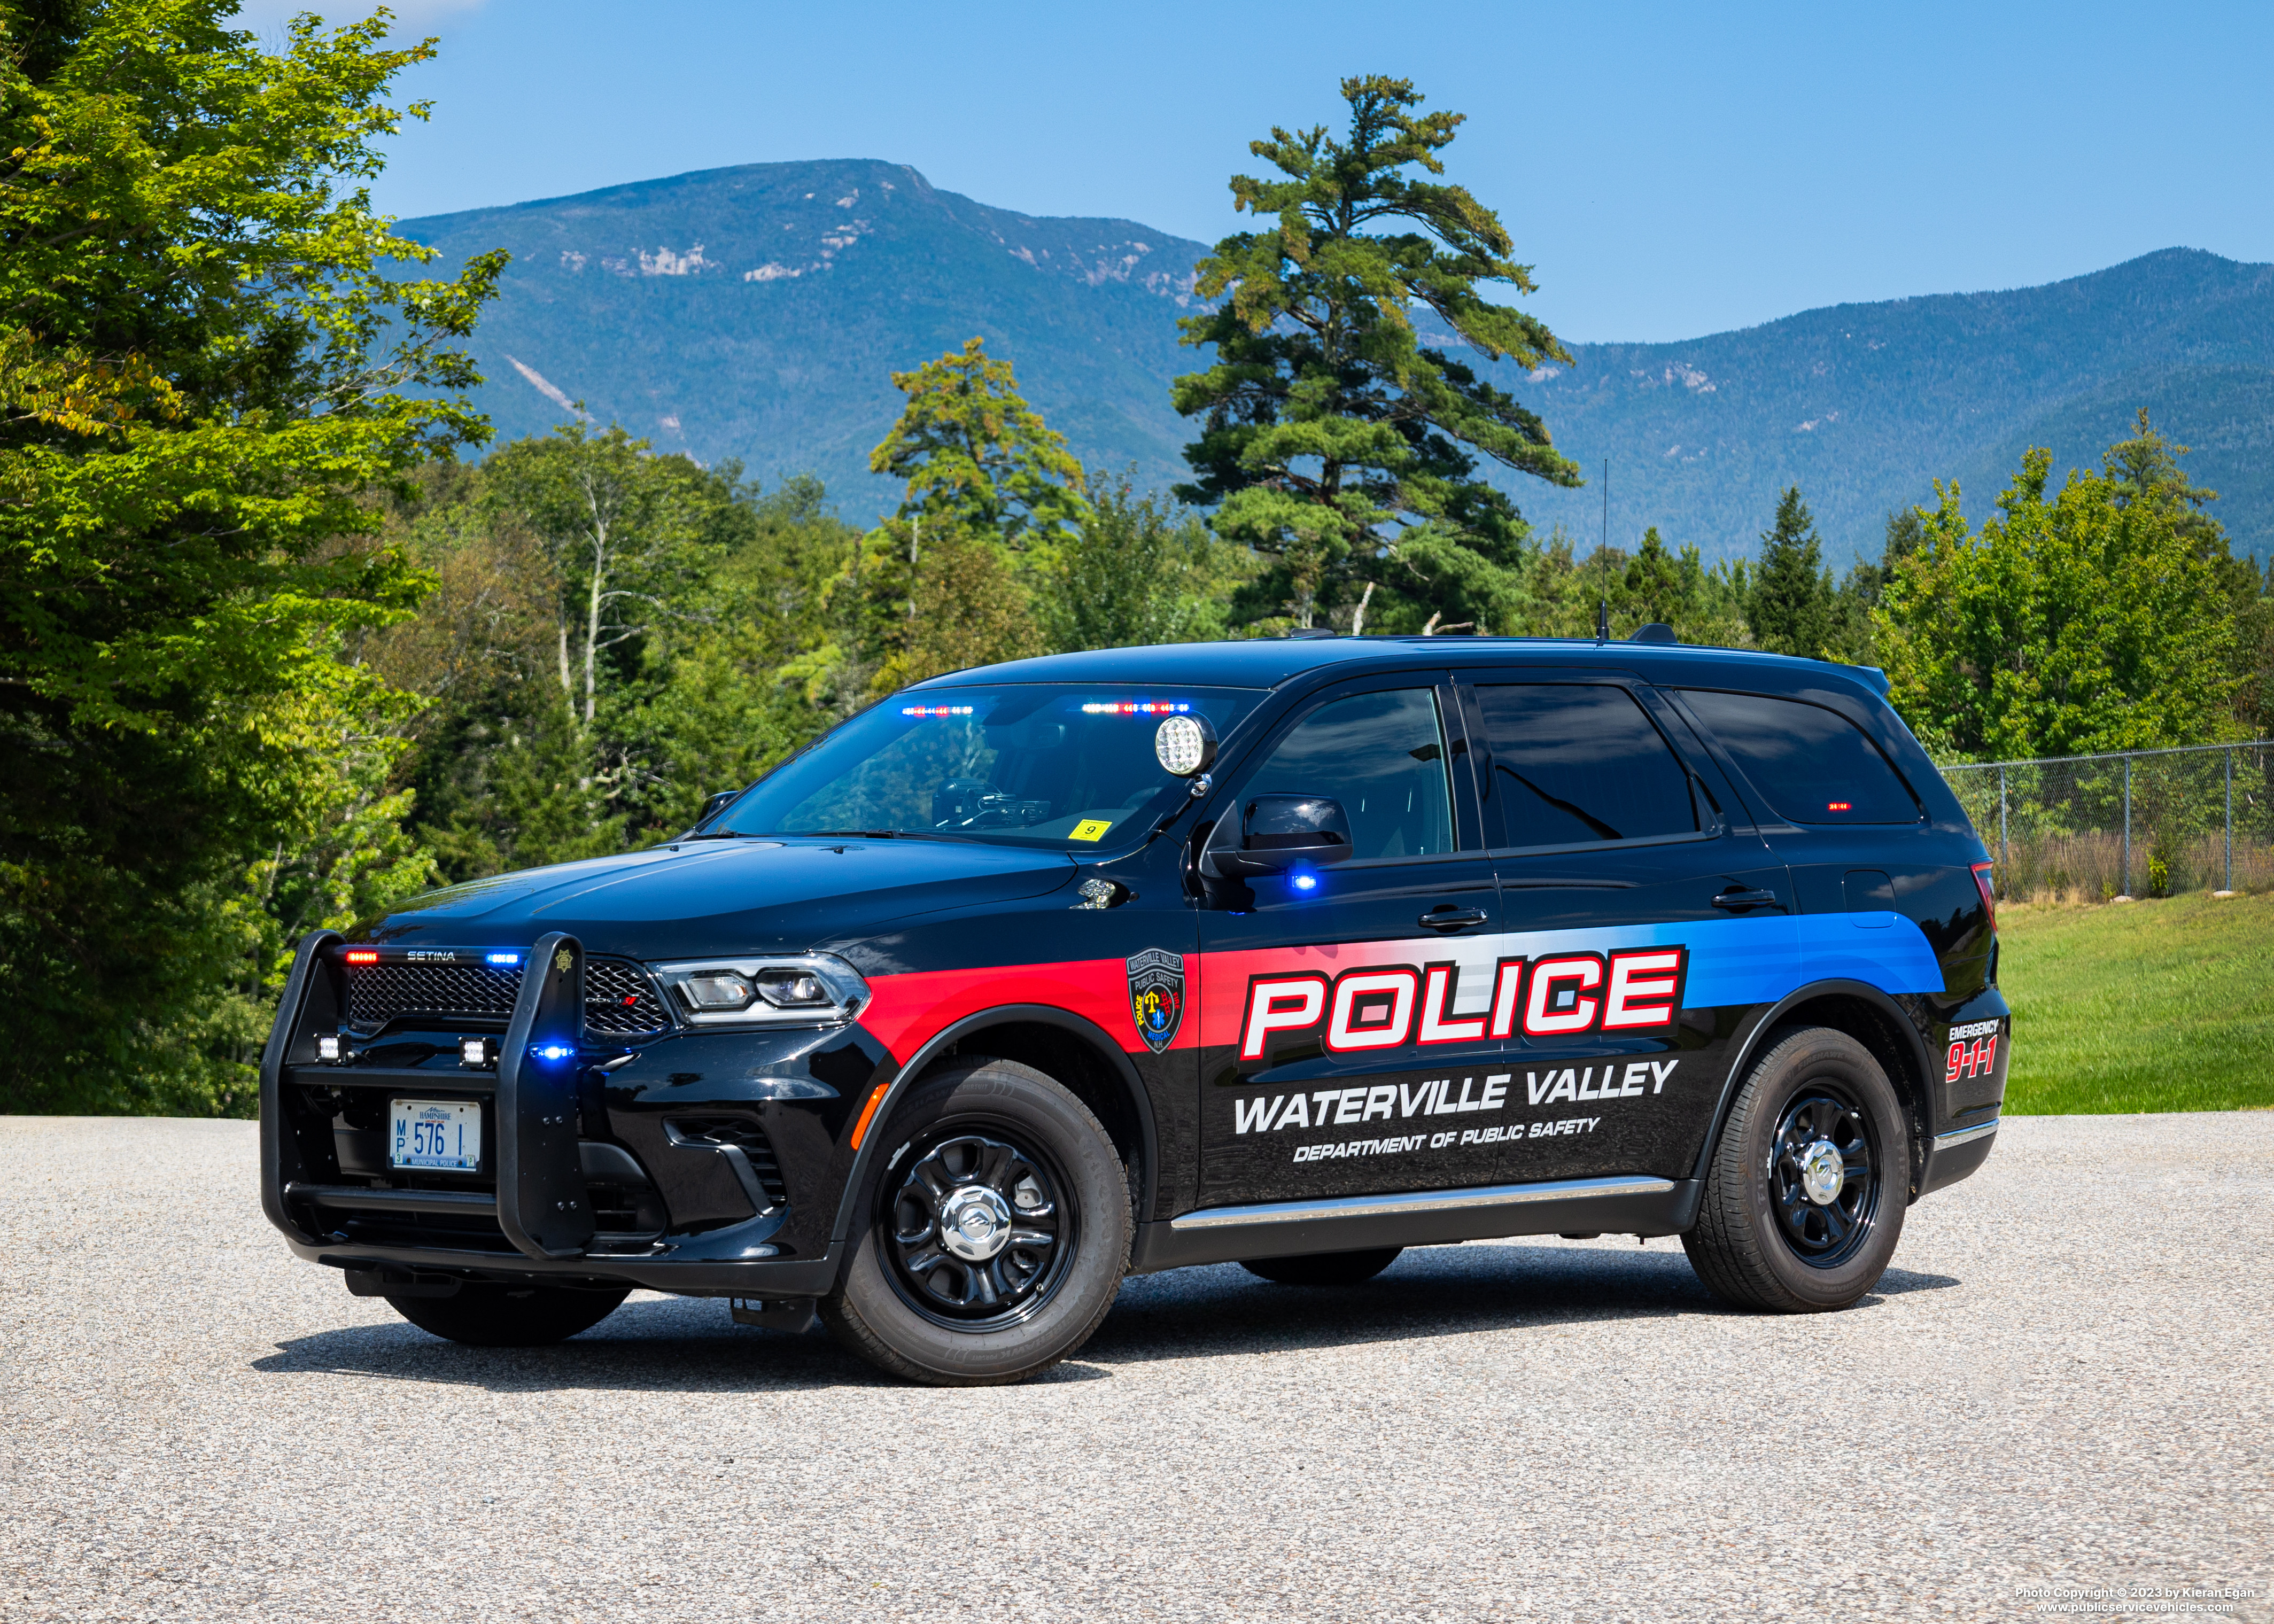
(1383,756)
(1576,763)
(1814,765)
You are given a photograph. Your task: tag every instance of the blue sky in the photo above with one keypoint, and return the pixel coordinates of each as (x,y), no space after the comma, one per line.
(1669,171)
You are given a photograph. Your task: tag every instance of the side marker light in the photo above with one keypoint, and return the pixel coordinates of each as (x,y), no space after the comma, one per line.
(868,1114)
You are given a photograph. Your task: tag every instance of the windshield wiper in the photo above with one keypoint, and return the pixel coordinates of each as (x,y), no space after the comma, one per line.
(722,834)
(880,834)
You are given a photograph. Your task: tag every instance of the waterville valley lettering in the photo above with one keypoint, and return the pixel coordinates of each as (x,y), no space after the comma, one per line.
(1434,1096)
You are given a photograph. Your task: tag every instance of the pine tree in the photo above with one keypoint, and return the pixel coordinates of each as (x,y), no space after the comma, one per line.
(1335,441)
(1791,609)
(1654,582)
(977,458)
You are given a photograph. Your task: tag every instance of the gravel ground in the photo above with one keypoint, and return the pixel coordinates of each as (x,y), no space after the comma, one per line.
(2064,1381)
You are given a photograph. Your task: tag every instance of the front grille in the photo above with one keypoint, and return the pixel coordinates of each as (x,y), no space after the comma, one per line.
(619,1001)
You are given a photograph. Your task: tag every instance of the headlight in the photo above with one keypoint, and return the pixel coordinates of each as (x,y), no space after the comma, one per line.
(716,990)
(802,989)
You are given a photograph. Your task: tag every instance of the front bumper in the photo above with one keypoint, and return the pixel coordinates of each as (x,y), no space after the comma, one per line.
(657,1170)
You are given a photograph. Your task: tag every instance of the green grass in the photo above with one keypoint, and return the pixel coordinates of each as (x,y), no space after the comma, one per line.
(2140,1006)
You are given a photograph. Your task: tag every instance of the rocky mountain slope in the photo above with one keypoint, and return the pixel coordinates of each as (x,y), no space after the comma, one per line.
(758,312)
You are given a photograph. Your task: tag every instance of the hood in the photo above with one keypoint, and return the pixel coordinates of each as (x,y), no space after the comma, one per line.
(707,897)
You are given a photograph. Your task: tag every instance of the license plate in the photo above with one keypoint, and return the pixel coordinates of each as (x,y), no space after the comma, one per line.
(436,1134)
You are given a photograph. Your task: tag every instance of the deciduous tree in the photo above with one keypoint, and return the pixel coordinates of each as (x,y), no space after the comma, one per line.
(2078,619)
(208,366)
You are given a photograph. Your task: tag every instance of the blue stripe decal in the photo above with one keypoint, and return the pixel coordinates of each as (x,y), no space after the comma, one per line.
(1752,961)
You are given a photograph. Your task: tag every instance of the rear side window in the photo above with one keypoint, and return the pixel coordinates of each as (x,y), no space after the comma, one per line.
(1579,763)
(1814,765)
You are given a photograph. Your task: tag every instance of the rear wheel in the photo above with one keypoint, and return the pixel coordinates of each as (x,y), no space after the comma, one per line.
(1326,1269)
(484,1315)
(998,1232)
(1803,1201)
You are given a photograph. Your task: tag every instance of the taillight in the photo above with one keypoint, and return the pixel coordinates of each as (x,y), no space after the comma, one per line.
(1989,895)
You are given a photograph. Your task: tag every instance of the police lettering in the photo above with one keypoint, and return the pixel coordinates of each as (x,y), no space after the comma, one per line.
(1377,1007)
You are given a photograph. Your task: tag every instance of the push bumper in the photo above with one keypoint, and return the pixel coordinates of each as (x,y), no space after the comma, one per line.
(537,1224)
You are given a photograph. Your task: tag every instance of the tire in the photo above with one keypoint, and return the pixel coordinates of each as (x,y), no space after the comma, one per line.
(1763,1239)
(1326,1269)
(483,1315)
(1000,1140)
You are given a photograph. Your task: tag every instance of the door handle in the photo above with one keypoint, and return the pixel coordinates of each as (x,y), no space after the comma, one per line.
(1445,916)
(1747,899)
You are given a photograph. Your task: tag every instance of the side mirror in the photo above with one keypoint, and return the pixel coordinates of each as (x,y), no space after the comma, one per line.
(715,805)
(1279,832)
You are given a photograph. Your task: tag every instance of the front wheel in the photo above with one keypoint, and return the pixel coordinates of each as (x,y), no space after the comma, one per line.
(1804,1198)
(996,1236)
(484,1315)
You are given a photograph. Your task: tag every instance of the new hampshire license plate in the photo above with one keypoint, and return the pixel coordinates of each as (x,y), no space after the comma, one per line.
(436,1133)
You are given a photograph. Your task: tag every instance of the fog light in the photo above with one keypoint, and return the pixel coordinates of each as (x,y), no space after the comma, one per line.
(327,1047)
(477,1052)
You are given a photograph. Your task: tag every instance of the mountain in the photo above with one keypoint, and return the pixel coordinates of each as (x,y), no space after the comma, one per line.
(1864,406)
(756,312)
(759,312)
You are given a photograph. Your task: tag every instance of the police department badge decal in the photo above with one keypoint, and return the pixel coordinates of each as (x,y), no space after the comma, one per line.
(1157,997)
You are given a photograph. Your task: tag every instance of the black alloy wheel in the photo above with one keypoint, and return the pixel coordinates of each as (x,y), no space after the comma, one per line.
(998,1231)
(980,1232)
(1823,1171)
(1804,1193)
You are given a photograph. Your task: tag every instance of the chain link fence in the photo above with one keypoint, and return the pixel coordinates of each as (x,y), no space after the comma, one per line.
(2137,824)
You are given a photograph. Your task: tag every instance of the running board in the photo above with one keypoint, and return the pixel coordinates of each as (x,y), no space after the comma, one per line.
(1620,1204)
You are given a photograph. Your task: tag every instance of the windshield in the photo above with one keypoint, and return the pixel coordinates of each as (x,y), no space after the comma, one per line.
(1025,763)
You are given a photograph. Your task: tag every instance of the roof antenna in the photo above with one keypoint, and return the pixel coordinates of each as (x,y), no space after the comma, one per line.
(1603,605)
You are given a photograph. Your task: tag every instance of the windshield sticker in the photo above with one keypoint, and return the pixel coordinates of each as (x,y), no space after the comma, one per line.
(1156,995)
(1091,828)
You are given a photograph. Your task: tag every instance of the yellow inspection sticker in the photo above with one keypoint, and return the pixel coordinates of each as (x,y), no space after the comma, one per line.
(1091,828)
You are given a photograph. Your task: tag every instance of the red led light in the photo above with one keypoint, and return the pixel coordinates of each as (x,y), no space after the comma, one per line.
(362,956)
(1840,806)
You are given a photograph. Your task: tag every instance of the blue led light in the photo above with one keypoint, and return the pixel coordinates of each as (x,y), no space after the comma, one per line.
(553,1051)
(505,958)
(1302,879)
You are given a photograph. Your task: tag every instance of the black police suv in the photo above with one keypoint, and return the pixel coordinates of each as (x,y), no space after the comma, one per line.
(1288,952)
